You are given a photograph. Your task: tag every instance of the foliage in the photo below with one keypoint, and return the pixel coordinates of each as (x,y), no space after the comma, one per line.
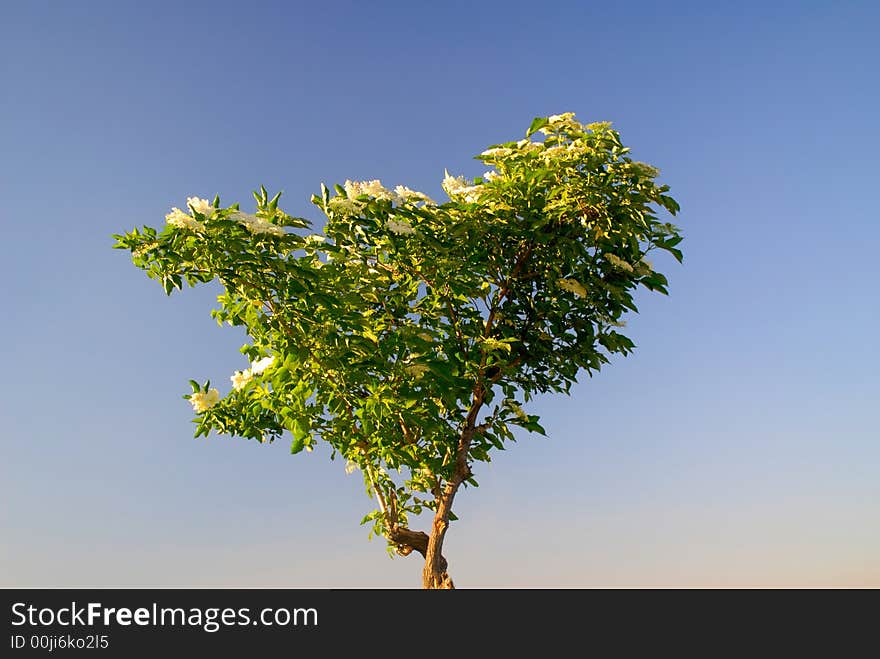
(409,335)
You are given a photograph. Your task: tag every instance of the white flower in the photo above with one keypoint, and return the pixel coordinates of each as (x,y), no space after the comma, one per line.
(496,152)
(345,206)
(241,378)
(573,286)
(400,228)
(372,188)
(266,227)
(618,262)
(453,184)
(472,193)
(458,187)
(490,175)
(555,121)
(200,206)
(559,118)
(261,365)
(554,150)
(403,194)
(256,224)
(350,466)
(177,218)
(204,400)
(529,146)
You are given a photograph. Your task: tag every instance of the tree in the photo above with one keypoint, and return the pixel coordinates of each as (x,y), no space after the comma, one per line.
(409,335)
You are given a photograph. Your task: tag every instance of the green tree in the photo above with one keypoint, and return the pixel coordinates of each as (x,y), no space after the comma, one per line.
(410,335)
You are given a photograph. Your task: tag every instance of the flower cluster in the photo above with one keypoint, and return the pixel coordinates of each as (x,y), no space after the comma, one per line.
(205,209)
(618,262)
(201,207)
(457,186)
(529,147)
(557,122)
(374,188)
(177,218)
(257,225)
(400,228)
(204,400)
(345,206)
(349,204)
(403,195)
(241,378)
(496,152)
(573,286)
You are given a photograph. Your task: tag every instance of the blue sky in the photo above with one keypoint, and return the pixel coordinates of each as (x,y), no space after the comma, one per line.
(737,446)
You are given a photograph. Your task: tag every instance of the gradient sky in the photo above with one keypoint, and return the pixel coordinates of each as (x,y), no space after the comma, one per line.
(738,446)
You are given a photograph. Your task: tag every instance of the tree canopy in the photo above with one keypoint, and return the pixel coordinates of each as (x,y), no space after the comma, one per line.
(411,335)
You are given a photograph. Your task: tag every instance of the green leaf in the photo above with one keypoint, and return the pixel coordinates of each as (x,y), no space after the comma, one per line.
(297,445)
(536,125)
(533,426)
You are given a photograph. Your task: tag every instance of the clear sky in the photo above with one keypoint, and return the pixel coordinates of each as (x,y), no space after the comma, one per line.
(737,446)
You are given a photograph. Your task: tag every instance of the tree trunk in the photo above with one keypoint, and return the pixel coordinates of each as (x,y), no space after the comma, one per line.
(434,574)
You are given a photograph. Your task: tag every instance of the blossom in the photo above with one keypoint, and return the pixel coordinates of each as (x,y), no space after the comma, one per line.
(618,262)
(350,466)
(204,400)
(554,121)
(490,175)
(458,186)
(573,286)
(346,206)
(528,146)
(241,378)
(201,206)
(177,218)
(261,365)
(403,194)
(559,118)
(453,184)
(555,150)
(372,188)
(400,228)
(496,152)
(256,224)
